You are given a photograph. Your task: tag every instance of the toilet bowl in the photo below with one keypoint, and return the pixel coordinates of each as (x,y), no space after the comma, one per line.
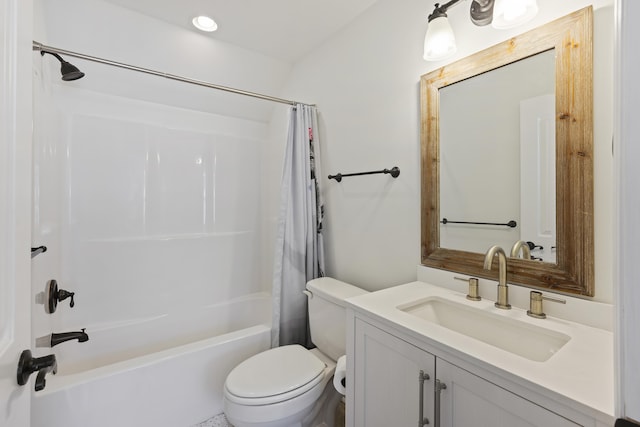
(283,386)
(281,395)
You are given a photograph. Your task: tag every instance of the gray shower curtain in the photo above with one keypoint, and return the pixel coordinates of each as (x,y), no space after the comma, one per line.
(299,251)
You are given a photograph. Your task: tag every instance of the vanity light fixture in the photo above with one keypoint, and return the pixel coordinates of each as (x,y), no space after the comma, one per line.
(204,23)
(440,42)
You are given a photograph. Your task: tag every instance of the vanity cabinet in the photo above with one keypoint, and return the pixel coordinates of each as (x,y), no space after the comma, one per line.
(470,400)
(399,384)
(394,380)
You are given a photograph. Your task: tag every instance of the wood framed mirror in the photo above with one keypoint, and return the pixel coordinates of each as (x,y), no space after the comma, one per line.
(570,39)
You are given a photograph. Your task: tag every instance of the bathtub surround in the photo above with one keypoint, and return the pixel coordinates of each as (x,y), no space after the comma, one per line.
(147,196)
(166,195)
(150,214)
(299,253)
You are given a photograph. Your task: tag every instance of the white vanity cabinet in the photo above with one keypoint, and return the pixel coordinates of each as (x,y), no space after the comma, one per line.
(400,384)
(469,400)
(391,377)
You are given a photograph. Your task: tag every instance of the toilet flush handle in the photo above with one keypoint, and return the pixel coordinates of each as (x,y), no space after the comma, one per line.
(308,294)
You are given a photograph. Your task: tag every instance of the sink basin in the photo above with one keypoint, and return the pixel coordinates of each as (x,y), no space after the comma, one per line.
(517,337)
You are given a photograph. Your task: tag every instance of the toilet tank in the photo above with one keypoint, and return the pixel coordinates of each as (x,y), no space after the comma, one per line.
(328,315)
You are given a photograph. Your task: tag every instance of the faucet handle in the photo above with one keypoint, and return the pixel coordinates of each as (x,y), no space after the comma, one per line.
(28,364)
(535,304)
(53,295)
(473,294)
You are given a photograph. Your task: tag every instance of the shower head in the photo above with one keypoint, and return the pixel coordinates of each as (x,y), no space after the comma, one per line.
(69,71)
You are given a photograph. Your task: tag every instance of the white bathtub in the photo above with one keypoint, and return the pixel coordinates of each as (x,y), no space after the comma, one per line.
(145,374)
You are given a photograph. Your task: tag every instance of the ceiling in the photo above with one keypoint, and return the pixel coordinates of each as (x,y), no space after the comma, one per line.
(282,29)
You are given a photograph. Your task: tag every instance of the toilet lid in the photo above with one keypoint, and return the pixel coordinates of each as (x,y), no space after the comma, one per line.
(274,372)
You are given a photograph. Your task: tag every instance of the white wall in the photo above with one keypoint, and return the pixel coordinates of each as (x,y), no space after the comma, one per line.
(365,82)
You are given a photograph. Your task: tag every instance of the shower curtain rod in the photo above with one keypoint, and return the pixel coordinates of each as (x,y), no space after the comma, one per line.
(44,48)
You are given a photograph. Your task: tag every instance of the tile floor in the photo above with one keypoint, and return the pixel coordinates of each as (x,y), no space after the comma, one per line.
(217,421)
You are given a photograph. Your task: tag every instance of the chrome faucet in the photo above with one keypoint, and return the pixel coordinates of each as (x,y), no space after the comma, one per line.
(503,289)
(518,246)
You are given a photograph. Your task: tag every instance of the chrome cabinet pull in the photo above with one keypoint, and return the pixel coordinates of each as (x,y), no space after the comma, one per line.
(422,377)
(439,387)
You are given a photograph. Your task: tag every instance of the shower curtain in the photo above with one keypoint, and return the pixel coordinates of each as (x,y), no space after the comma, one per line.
(299,250)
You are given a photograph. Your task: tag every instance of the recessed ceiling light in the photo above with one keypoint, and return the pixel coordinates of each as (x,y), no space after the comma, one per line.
(205,23)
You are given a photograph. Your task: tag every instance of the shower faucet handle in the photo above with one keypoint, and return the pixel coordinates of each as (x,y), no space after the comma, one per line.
(53,295)
(28,364)
(63,295)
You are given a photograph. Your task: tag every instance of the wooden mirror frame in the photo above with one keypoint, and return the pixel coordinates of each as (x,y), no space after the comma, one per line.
(572,39)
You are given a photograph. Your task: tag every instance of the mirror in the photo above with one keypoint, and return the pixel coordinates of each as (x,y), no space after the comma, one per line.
(517,136)
(477,165)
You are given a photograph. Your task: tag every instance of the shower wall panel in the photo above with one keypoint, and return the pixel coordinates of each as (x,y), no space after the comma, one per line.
(147,210)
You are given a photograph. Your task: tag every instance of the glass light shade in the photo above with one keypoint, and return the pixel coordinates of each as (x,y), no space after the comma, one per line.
(511,13)
(439,42)
(204,23)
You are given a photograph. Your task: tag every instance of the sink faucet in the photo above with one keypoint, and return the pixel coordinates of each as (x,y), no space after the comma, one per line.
(518,246)
(503,289)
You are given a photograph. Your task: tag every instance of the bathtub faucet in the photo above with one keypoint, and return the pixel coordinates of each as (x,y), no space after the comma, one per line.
(28,364)
(81,336)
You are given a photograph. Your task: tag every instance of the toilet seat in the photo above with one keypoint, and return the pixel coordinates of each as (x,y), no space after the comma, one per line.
(274,376)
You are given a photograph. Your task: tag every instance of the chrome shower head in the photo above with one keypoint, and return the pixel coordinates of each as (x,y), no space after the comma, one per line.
(69,71)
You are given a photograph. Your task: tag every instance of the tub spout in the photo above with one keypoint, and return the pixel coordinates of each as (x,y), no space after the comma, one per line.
(81,336)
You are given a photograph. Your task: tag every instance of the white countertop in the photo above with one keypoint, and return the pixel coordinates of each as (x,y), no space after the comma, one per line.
(582,370)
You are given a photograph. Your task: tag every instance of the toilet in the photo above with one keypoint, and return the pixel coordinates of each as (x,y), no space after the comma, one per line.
(286,386)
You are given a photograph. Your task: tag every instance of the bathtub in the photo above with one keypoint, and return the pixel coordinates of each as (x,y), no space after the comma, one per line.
(144,373)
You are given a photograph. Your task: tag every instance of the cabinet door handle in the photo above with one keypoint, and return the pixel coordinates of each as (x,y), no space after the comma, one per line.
(422,377)
(439,387)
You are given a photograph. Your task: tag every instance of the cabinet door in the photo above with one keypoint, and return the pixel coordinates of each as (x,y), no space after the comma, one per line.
(387,380)
(469,400)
